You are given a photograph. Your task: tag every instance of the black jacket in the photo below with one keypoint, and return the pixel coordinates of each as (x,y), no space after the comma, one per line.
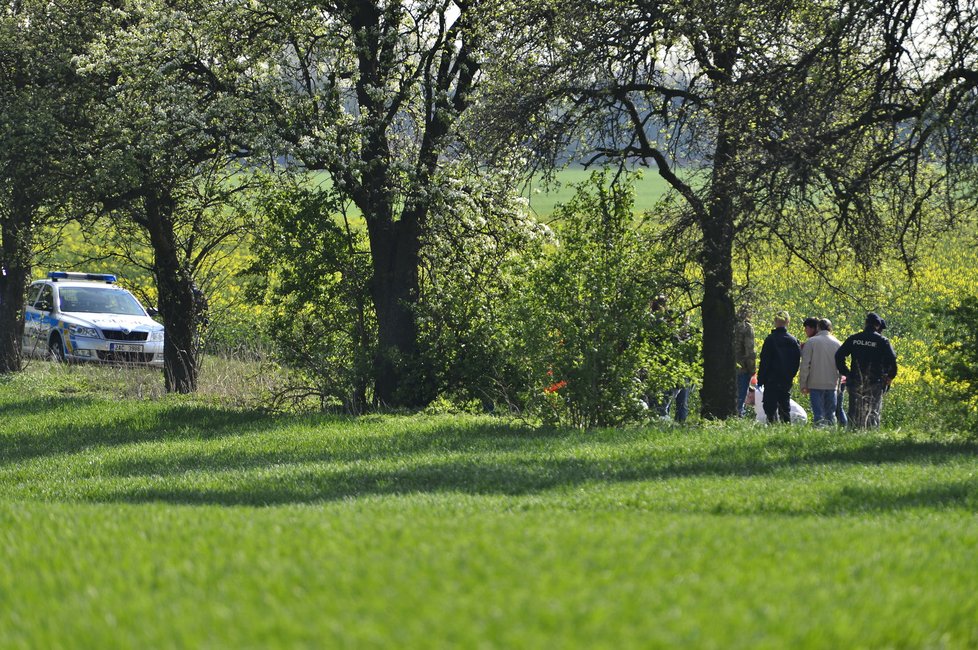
(780,358)
(873,358)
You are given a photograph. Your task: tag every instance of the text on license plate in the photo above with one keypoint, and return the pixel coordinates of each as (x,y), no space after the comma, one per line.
(126,347)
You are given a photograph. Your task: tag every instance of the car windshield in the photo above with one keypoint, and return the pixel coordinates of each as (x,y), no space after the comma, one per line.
(99,300)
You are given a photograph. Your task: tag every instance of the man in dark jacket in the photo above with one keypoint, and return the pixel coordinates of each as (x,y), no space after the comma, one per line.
(780,357)
(873,366)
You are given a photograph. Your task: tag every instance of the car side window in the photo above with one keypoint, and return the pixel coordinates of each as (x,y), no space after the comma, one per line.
(46,300)
(32,293)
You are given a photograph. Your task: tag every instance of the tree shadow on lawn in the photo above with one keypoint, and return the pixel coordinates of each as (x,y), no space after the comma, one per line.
(948,494)
(42,405)
(200,422)
(475,457)
(307,480)
(171,422)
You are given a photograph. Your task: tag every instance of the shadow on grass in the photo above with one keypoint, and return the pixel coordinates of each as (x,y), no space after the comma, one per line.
(474,466)
(175,422)
(295,460)
(42,405)
(66,430)
(949,494)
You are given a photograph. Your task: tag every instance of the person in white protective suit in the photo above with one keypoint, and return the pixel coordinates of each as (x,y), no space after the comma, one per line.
(756,396)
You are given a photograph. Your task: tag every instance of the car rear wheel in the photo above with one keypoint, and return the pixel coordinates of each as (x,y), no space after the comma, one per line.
(56,349)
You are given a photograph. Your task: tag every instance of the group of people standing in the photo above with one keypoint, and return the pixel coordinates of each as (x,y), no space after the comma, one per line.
(863,365)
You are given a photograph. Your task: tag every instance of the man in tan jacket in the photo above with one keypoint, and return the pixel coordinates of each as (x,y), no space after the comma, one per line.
(818,376)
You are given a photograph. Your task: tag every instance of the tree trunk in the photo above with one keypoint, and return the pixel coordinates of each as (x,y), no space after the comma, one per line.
(718,396)
(399,376)
(15,273)
(178,304)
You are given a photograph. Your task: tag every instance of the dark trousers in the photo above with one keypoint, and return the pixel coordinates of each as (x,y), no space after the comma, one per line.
(865,404)
(777,403)
(678,396)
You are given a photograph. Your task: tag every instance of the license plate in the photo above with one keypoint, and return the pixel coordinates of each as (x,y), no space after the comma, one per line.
(125,347)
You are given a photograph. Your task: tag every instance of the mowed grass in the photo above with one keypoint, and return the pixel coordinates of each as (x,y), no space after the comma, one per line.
(173,523)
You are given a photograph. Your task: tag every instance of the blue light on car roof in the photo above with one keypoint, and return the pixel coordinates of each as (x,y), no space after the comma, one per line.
(97,277)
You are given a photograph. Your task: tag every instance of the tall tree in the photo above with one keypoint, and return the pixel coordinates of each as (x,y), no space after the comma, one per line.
(173,113)
(371,94)
(42,117)
(770,121)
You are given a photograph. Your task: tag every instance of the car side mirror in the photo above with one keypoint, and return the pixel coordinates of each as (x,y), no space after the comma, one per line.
(153,312)
(45,306)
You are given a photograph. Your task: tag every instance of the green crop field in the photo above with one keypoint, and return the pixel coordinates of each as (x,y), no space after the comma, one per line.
(545,197)
(172,523)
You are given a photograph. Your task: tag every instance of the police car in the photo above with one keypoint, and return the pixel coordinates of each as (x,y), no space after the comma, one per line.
(87,317)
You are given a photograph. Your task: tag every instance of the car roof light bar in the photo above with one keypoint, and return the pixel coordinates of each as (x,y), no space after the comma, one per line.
(96,277)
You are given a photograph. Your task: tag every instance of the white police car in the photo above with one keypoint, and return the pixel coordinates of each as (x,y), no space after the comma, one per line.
(86,317)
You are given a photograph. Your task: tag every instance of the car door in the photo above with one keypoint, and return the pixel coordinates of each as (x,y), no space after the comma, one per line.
(32,320)
(40,316)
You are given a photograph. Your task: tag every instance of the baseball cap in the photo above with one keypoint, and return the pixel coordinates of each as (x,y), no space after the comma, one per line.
(872,318)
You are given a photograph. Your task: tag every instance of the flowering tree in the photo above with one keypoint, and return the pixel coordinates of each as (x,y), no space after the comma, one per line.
(173,114)
(42,113)
(803,122)
(371,94)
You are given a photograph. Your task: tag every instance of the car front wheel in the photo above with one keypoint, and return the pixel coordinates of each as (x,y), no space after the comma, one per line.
(56,349)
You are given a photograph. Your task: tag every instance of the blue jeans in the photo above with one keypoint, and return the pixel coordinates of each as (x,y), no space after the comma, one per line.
(840,411)
(679,395)
(743,383)
(823,406)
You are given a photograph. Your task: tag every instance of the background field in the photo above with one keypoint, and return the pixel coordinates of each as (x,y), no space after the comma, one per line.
(171,523)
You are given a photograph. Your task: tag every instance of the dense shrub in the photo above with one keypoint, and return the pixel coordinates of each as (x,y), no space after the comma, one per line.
(315,272)
(481,242)
(955,362)
(583,348)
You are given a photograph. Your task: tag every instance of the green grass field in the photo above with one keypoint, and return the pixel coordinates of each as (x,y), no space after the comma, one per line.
(544,197)
(172,523)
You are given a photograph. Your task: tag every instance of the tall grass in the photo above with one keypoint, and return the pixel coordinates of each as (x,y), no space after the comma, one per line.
(243,381)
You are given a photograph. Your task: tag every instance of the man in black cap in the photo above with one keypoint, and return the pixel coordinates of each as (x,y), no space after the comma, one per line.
(780,357)
(873,366)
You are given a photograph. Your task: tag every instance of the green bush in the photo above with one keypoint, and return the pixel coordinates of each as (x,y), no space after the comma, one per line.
(480,243)
(315,273)
(954,363)
(581,336)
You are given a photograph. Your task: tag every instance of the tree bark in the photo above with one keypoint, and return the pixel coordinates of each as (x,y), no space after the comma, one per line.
(718,395)
(395,249)
(178,304)
(15,273)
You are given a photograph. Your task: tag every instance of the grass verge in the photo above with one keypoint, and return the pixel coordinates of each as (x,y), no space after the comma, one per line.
(175,523)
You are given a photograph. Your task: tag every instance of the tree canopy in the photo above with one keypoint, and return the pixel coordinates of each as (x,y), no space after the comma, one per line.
(801,122)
